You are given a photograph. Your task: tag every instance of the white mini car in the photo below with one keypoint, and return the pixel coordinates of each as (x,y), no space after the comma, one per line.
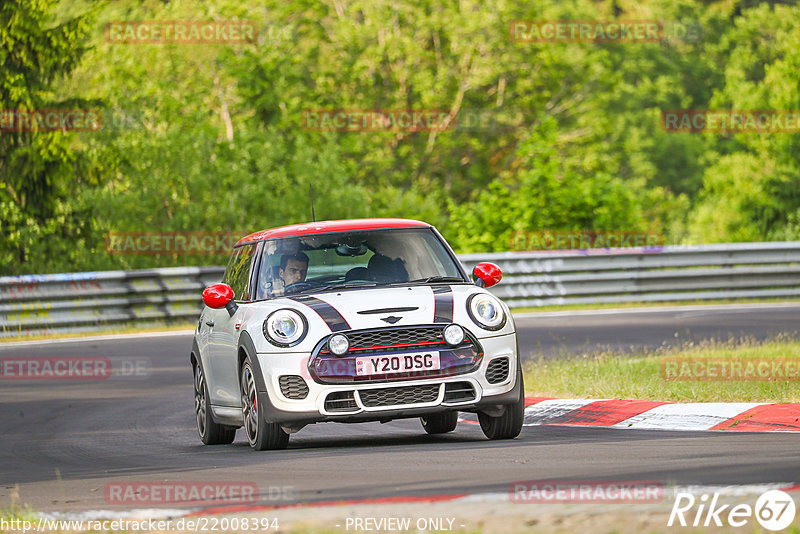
(352,321)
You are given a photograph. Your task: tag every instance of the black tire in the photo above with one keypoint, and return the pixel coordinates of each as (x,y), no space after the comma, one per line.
(210,432)
(261,435)
(439,423)
(508,425)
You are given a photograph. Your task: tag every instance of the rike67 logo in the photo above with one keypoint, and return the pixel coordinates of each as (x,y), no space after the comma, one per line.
(774,510)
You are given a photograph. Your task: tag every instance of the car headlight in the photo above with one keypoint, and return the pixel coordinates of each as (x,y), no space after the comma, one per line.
(285,328)
(486,311)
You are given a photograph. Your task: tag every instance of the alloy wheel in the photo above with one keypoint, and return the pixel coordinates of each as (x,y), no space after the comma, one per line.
(249,403)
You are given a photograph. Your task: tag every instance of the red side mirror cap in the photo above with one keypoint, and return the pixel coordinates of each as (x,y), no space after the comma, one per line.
(217,296)
(487,274)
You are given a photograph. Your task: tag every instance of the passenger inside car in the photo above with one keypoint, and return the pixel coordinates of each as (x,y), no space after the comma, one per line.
(383,269)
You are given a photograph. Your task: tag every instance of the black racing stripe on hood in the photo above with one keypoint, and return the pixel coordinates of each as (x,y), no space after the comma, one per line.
(442,304)
(332,318)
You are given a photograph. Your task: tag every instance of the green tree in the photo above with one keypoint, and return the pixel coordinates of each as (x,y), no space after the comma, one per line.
(40,171)
(546,195)
(212,135)
(751,189)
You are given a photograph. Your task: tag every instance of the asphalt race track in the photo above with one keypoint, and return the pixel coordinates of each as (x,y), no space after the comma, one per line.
(62,441)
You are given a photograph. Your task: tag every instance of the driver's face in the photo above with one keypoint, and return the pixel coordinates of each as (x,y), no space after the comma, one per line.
(294,272)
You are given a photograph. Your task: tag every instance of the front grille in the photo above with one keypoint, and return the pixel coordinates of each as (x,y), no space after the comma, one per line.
(458,392)
(326,368)
(497,371)
(374,398)
(293,387)
(363,341)
(341,401)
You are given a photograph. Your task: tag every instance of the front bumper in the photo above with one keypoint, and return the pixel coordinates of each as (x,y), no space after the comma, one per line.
(356,402)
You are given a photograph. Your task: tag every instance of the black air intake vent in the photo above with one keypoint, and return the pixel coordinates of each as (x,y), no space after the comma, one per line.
(497,371)
(341,401)
(458,392)
(293,387)
(374,398)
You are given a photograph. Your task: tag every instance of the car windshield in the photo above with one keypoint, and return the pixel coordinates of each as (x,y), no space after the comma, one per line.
(343,260)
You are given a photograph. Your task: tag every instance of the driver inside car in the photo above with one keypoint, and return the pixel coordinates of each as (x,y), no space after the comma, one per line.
(294,268)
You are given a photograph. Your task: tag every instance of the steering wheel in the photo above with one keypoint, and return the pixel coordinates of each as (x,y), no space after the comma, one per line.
(297,286)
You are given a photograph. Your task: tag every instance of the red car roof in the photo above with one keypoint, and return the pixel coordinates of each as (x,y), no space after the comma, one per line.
(322,227)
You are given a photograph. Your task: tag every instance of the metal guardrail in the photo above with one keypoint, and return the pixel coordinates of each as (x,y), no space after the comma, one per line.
(697,272)
(75,302)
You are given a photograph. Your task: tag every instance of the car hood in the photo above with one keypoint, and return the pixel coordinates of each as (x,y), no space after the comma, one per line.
(382,306)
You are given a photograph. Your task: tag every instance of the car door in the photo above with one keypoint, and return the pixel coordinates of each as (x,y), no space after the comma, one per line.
(220,363)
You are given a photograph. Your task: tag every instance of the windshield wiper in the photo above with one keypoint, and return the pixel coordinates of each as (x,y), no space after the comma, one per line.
(346,285)
(431,279)
(365,283)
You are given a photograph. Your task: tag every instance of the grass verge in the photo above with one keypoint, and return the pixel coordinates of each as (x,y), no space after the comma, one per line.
(654,376)
(14,511)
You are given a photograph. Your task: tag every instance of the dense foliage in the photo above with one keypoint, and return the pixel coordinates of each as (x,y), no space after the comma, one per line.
(213,137)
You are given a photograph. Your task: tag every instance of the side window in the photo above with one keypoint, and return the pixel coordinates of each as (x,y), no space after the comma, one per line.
(237,274)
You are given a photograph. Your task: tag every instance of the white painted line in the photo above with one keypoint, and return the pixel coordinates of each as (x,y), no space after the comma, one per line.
(543,412)
(109,337)
(483,497)
(661,309)
(733,491)
(670,491)
(497,497)
(687,416)
(97,515)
